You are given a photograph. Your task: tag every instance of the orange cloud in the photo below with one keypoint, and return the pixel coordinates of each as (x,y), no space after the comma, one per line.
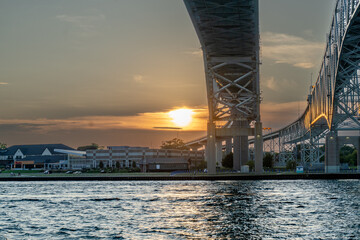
(144,121)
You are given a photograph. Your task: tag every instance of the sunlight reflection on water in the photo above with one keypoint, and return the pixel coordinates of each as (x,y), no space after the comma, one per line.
(181,210)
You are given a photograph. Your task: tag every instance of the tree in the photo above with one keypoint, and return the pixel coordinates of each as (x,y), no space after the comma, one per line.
(117,165)
(251,165)
(101,165)
(93,146)
(348,154)
(3,145)
(227,161)
(175,143)
(291,165)
(268,160)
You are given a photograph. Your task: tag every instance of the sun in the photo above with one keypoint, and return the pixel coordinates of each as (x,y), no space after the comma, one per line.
(181,117)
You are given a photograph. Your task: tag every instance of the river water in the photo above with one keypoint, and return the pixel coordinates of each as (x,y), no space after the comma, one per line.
(296,209)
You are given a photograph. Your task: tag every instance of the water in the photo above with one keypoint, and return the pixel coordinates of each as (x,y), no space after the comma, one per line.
(181,210)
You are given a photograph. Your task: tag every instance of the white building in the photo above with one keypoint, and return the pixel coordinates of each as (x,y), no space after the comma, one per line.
(127,157)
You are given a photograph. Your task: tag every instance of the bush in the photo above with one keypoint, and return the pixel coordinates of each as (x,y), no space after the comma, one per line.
(101,165)
(251,165)
(228,160)
(202,165)
(136,169)
(268,160)
(291,165)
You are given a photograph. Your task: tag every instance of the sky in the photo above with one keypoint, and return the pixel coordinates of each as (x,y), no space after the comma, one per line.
(109,71)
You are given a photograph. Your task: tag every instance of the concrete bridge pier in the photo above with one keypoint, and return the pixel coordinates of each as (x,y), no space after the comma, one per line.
(358,157)
(241,147)
(219,153)
(332,154)
(211,148)
(351,140)
(237,153)
(228,146)
(333,145)
(258,148)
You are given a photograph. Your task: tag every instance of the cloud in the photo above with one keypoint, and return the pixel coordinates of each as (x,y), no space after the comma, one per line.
(145,121)
(278,85)
(86,24)
(278,115)
(81,21)
(4,83)
(138,78)
(270,83)
(293,50)
(197,52)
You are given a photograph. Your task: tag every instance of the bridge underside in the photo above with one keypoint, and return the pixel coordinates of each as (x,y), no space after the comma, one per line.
(228,32)
(229,35)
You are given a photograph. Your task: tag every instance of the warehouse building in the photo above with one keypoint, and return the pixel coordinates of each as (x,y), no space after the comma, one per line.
(144,158)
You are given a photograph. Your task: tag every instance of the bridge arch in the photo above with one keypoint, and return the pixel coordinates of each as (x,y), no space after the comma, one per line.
(333,104)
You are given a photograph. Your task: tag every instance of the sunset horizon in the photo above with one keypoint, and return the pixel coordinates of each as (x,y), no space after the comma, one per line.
(101,76)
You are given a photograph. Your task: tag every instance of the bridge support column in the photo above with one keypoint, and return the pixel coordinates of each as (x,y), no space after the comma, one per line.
(358,155)
(241,152)
(210,149)
(237,154)
(228,146)
(332,155)
(219,154)
(258,148)
(244,149)
(241,147)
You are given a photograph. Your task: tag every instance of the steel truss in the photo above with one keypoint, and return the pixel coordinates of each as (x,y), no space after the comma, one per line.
(333,104)
(233,94)
(229,36)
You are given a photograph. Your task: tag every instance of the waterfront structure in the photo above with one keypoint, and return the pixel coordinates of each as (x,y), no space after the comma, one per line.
(143,158)
(229,35)
(331,118)
(165,164)
(38,156)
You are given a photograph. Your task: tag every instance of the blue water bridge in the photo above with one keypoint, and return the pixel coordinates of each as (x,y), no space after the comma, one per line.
(229,35)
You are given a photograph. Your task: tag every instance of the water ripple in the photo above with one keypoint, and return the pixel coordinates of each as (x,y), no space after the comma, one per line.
(181,210)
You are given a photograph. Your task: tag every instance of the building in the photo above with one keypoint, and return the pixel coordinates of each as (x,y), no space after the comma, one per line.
(165,164)
(145,158)
(39,156)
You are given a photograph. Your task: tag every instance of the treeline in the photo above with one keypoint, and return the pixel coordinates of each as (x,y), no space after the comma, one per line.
(348,155)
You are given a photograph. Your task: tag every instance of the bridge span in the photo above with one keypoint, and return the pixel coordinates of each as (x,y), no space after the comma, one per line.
(229,34)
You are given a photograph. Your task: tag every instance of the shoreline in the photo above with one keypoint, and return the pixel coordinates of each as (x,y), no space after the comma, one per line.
(240,177)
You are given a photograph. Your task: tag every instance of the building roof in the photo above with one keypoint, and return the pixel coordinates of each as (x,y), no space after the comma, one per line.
(70,152)
(36,149)
(43,159)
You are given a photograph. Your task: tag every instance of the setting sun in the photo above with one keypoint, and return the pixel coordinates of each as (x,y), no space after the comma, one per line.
(181,117)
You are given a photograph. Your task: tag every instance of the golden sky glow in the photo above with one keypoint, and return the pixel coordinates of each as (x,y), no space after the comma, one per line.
(181,117)
(107,71)
(187,119)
